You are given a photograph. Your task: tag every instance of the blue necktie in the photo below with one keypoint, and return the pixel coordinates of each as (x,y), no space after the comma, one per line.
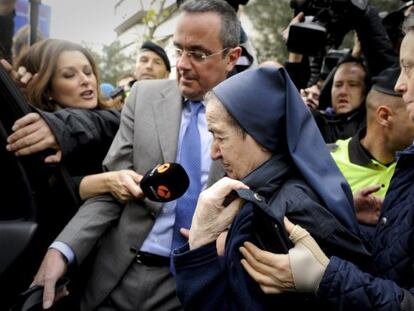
(190,159)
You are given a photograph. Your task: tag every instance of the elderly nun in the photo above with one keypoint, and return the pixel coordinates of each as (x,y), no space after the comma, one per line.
(276,165)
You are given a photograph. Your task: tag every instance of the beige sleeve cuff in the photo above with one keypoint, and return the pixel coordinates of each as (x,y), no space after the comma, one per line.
(307,261)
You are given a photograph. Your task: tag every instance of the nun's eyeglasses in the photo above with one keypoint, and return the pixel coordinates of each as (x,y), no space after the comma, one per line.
(197,55)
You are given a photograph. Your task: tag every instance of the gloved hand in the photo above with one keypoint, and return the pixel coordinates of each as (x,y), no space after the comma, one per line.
(308,262)
(300,270)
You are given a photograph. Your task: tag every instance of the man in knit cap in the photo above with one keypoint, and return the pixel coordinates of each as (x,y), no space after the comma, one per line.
(152,62)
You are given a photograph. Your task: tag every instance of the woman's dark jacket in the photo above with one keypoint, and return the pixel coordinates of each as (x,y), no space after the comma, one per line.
(84,137)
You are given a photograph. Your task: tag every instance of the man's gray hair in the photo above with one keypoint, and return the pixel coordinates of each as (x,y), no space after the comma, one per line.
(230,25)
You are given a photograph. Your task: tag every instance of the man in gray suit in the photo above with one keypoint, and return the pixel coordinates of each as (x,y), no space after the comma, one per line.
(133,240)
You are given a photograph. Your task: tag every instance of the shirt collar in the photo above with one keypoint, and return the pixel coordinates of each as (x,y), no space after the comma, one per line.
(357,153)
(186,102)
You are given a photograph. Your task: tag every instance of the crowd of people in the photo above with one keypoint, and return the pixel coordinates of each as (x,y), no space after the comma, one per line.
(300,189)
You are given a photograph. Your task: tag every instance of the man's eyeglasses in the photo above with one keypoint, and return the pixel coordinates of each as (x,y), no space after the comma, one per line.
(195,55)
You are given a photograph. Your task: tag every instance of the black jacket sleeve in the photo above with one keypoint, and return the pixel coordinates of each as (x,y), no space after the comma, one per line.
(375,43)
(76,128)
(6,35)
(84,137)
(346,287)
(299,72)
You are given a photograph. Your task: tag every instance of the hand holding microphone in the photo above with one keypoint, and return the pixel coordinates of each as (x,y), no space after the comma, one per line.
(165,182)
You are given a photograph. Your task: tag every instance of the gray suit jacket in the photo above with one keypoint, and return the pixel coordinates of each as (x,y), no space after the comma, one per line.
(148,135)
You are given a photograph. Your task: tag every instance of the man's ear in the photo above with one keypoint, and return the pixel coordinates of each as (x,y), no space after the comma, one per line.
(234,55)
(384,115)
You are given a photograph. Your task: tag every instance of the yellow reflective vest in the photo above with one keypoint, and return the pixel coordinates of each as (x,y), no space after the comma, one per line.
(362,176)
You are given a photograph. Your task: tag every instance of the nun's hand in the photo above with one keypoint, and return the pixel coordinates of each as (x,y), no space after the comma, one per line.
(211,216)
(300,270)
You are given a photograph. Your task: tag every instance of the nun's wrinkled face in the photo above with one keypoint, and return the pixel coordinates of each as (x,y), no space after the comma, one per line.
(239,153)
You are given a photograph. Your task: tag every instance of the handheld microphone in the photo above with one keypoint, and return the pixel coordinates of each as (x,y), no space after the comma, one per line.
(165,182)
